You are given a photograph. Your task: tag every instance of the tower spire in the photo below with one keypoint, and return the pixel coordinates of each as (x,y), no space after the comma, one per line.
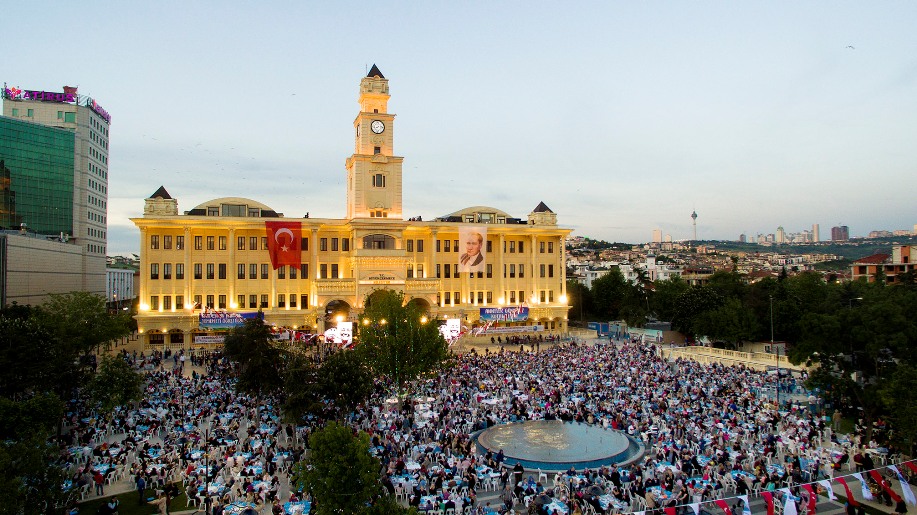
(694,219)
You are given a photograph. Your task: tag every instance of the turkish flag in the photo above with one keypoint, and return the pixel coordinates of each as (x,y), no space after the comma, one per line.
(284,243)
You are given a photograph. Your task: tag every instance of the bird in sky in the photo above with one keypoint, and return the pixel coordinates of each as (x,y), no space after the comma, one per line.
(851,47)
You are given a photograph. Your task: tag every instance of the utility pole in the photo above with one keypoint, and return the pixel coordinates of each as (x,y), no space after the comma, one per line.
(776,350)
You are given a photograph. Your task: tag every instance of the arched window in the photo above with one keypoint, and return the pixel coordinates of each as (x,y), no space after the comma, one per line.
(378,241)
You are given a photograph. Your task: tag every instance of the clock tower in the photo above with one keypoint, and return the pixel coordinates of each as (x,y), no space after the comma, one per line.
(373,171)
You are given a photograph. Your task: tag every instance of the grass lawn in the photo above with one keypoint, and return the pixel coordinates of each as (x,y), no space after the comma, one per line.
(129,506)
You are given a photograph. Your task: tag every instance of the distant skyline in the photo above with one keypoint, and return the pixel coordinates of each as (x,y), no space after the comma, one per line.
(622,117)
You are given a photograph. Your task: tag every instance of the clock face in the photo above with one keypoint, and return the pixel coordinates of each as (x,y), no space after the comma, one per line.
(377,126)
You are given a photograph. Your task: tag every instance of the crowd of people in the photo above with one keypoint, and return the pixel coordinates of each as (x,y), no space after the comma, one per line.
(708,431)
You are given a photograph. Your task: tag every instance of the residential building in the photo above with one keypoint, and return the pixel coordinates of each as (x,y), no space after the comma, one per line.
(892,266)
(840,233)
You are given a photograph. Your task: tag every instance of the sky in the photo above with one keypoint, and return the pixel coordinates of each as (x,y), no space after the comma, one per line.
(622,117)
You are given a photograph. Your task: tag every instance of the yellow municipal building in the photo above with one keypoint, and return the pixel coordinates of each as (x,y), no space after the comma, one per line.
(216,259)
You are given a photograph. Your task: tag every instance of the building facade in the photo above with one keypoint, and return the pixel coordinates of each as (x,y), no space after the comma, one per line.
(54,148)
(891,268)
(840,233)
(477,264)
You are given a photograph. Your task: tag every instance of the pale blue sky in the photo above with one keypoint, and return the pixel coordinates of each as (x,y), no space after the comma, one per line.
(621,116)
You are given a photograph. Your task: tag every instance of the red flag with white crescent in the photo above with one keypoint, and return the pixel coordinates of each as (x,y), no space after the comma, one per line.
(850,499)
(769,499)
(284,243)
(885,486)
(723,506)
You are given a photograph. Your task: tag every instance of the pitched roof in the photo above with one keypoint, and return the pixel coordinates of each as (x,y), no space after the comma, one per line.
(161,193)
(874,259)
(542,208)
(374,72)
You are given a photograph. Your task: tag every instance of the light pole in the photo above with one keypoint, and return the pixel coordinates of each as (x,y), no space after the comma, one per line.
(776,350)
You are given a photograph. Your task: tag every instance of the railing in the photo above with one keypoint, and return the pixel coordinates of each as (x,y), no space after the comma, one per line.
(757,360)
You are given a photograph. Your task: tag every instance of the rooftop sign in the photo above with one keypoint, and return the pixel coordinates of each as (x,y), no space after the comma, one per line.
(69,96)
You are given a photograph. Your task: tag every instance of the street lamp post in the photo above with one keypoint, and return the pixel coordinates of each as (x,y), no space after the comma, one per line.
(776,350)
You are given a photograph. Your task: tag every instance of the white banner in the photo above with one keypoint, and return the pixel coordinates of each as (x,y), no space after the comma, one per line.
(209,339)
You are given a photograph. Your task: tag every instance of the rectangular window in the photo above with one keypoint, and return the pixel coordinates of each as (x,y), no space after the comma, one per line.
(447,270)
(213,211)
(198,271)
(456,298)
(68,117)
(448,298)
(222,242)
(512,247)
(282,272)
(550,247)
(521,246)
(221,302)
(240,301)
(254,212)
(490,271)
(334,244)
(167,242)
(455,245)
(334,271)
(210,241)
(438,275)
(197,302)
(210,301)
(541,247)
(222,269)
(521,296)
(292,300)
(167,270)
(550,295)
(252,301)
(252,243)
(550,270)
(60,115)
(419,245)
(265,271)
(154,241)
(240,243)
(410,271)
(198,243)
(167,303)
(210,269)
(490,247)
(240,271)
(490,297)
(30,112)
(179,243)
(512,270)
(512,297)
(447,246)
(154,302)
(281,300)
(378,180)
(304,300)
(179,302)
(437,245)
(323,271)
(304,244)
(264,243)
(179,271)
(521,270)
(154,271)
(293,271)
(377,150)
(420,271)
(542,268)
(409,245)
(543,296)
(323,244)
(264,301)
(15,112)
(253,270)
(480,297)
(345,244)
(304,270)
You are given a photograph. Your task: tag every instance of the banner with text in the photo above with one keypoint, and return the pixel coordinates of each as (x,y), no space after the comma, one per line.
(226,320)
(508,314)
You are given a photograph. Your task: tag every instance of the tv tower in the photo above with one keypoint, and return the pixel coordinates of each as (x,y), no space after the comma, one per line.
(694,218)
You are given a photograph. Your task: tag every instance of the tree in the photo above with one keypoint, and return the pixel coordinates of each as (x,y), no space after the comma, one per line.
(340,473)
(252,348)
(608,294)
(691,304)
(397,340)
(301,395)
(115,384)
(344,381)
(731,322)
(665,295)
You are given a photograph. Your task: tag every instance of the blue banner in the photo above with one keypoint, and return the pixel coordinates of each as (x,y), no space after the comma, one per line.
(226,320)
(510,314)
